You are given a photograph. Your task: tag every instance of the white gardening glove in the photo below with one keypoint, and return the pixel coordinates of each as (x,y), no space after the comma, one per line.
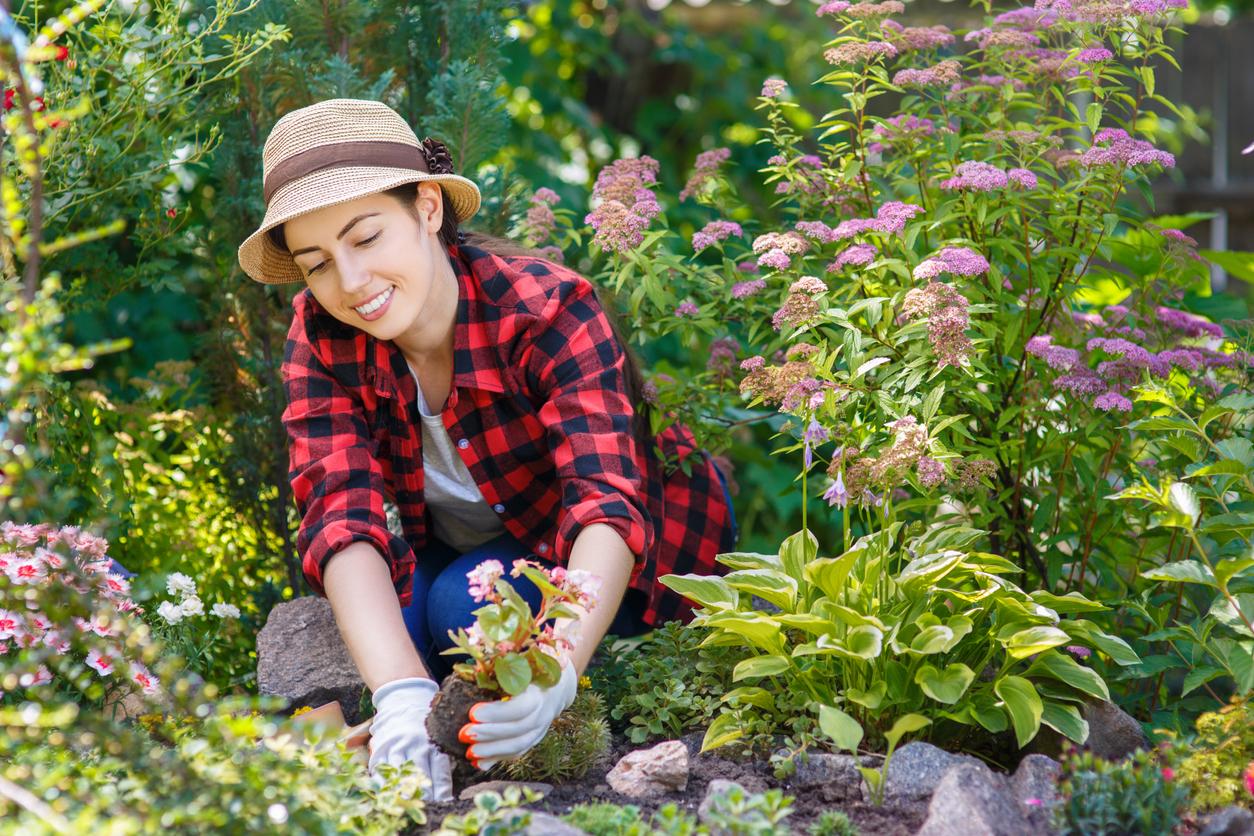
(399,733)
(505,729)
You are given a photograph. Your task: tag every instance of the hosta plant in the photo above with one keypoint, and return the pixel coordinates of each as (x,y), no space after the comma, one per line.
(921,626)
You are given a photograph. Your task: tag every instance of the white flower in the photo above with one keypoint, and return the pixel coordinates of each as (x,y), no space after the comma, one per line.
(101,663)
(192,606)
(226,610)
(171,612)
(29,570)
(180,584)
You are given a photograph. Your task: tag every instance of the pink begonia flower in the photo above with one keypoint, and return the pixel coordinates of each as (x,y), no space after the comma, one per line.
(99,662)
(484,576)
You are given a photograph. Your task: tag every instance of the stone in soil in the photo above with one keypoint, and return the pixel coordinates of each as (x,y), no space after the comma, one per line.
(1035,786)
(973,801)
(500,787)
(650,772)
(301,656)
(915,770)
(1230,821)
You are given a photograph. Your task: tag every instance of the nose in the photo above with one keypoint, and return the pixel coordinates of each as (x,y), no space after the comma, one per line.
(354,276)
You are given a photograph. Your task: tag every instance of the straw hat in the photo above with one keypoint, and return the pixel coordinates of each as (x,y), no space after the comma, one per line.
(333,152)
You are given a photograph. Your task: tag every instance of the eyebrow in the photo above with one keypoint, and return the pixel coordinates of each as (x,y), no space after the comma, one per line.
(342,233)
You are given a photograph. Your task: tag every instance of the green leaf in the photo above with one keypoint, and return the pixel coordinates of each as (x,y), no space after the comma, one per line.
(945,686)
(1093,116)
(1225,613)
(931,640)
(1236,264)
(751,695)
(1183,498)
(865,642)
(1072,602)
(1034,640)
(759,666)
(872,697)
(831,573)
(840,727)
(1065,719)
(1224,467)
(1062,667)
(797,552)
(760,630)
(513,672)
(723,730)
(1024,705)
(1198,677)
(905,725)
(1182,571)
(768,584)
(710,592)
(1229,568)
(1113,646)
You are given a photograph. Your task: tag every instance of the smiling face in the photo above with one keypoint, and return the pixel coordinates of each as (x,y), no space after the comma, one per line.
(374,266)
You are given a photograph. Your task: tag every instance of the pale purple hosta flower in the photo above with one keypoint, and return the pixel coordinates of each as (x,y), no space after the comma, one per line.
(916,38)
(1094,55)
(1113,146)
(704,169)
(859,255)
(1078,651)
(714,232)
(976,175)
(858,52)
(742,290)
(773,87)
(815,433)
(1112,401)
(483,578)
(942,74)
(836,494)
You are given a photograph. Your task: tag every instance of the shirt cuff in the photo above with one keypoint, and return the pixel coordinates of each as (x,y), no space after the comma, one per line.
(613,511)
(336,536)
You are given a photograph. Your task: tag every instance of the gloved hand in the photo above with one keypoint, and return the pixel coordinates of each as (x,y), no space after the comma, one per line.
(399,732)
(506,729)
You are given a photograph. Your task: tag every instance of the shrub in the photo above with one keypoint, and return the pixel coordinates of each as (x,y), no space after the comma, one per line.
(1215,769)
(1138,796)
(576,740)
(833,823)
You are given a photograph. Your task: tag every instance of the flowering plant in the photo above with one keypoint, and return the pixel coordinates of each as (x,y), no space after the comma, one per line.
(41,565)
(509,646)
(182,626)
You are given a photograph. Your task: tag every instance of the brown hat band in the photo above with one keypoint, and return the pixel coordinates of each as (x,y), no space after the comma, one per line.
(343,155)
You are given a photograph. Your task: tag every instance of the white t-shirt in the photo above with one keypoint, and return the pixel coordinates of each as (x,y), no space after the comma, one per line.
(460,516)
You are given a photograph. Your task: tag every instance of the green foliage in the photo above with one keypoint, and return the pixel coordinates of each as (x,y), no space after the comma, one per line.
(893,636)
(1137,796)
(833,823)
(605,819)
(1215,766)
(732,812)
(494,813)
(576,740)
(735,812)
(665,685)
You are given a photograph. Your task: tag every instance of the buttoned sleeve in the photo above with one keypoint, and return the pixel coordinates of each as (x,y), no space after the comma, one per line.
(576,366)
(334,469)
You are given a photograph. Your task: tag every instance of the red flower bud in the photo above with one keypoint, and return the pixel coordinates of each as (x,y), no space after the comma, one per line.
(9,93)
(1169,774)
(55,123)
(38,103)
(171,212)
(62,52)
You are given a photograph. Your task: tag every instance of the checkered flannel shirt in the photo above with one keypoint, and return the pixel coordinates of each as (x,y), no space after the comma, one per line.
(539,412)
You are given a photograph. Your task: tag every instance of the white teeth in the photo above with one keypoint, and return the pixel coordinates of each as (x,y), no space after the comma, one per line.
(375,304)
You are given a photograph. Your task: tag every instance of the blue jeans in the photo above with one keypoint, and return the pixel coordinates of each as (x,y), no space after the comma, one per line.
(731,508)
(441,597)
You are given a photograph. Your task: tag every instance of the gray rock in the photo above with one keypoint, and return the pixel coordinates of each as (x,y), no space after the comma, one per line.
(834,777)
(1230,821)
(1035,786)
(542,824)
(500,787)
(973,801)
(916,769)
(301,656)
(1113,733)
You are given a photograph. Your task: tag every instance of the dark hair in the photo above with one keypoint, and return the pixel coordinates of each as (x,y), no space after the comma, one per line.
(449,235)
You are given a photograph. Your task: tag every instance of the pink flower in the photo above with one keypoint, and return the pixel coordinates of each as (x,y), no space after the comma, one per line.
(714,232)
(27,570)
(1169,774)
(1078,651)
(858,52)
(142,677)
(483,578)
(99,662)
(117,584)
(687,309)
(1112,401)
(741,290)
(773,87)
(10,626)
(1033,802)
(41,677)
(1249,778)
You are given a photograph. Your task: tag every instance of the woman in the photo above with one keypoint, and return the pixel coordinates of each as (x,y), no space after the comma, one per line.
(484,392)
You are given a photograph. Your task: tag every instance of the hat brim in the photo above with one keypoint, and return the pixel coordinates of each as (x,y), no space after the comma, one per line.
(267,264)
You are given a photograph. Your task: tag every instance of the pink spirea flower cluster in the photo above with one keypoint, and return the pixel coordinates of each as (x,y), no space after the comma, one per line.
(890,219)
(41,556)
(979,176)
(705,168)
(688,309)
(916,38)
(946,310)
(903,130)
(858,52)
(775,249)
(752,287)
(540,221)
(713,232)
(1094,55)
(1113,146)
(773,88)
(802,303)
(943,74)
(627,204)
(959,261)
(858,255)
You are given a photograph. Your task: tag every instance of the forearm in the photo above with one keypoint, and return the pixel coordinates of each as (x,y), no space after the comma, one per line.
(600,550)
(359,586)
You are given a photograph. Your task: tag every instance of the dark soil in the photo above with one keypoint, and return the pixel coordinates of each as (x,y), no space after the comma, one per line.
(449,712)
(753,775)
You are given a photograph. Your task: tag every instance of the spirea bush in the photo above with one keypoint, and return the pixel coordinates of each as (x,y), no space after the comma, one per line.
(958,308)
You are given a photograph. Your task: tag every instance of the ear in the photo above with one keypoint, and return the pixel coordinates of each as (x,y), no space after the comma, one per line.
(429,205)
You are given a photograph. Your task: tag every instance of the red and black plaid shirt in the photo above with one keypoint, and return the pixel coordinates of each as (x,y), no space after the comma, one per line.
(539,412)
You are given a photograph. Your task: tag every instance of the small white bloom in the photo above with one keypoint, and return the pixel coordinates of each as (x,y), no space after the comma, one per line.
(226,610)
(171,612)
(192,606)
(180,584)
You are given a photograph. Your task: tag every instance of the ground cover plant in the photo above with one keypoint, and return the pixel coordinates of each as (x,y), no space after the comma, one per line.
(1000,373)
